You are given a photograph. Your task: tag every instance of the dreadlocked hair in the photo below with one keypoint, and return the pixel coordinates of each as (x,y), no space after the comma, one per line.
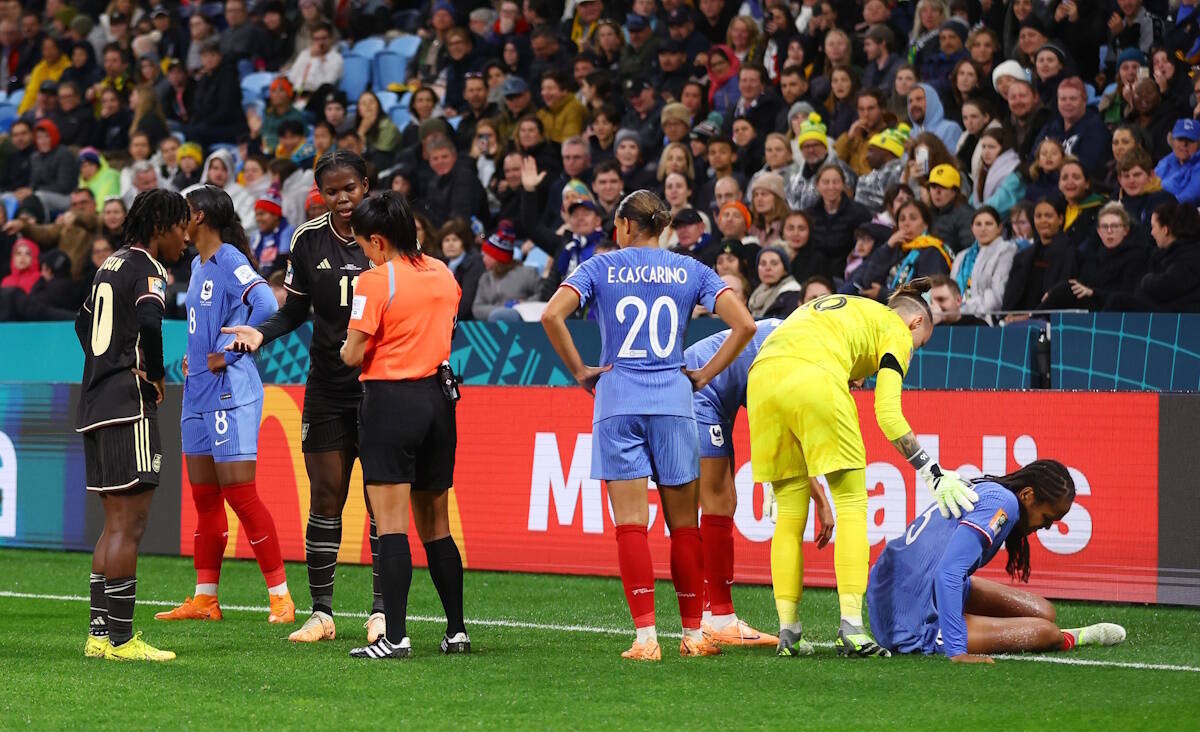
(1051,482)
(912,293)
(153,212)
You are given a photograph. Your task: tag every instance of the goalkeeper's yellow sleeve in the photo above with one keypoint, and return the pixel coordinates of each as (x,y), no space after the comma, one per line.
(888,384)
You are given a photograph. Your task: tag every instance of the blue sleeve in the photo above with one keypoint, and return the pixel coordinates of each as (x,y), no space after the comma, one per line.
(285,239)
(994,514)
(583,280)
(262,304)
(965,548)
(710,284)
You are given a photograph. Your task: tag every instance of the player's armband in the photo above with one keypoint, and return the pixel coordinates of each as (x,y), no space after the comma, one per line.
(891,362)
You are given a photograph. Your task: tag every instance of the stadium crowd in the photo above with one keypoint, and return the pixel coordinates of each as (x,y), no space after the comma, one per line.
(1029,154)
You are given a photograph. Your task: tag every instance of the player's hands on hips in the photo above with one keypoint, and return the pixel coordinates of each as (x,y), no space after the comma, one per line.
(589,375)
(971,658)
(248,339)
(697,377)
(216,362)
(953,495)
(185,366)
(770,507)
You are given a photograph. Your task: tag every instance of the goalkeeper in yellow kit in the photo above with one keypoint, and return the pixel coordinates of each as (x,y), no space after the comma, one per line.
(804,424)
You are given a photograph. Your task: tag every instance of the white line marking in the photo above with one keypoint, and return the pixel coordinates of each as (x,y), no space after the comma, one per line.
(599,630)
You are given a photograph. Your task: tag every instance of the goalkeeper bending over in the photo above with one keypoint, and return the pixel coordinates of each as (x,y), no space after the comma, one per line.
(804,424)
(923,598)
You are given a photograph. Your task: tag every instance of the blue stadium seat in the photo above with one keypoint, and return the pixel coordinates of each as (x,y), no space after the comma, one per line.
(8,109)
(390,68)
(258,105)
(368,46)
(356,75)
(405,98)
(387,99)
(405,45)
(16,97)
(401,117)
(254,86)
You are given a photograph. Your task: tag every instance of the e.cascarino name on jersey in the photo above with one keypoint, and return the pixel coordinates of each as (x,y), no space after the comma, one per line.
(647,274)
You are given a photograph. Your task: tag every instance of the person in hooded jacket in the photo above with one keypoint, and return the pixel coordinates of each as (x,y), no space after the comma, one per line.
(24,269)
(53,170)
(927,115)
(1113,268)
(1079,128)
(220,171)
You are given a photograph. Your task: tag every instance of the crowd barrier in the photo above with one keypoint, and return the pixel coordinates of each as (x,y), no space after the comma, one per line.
(524,500)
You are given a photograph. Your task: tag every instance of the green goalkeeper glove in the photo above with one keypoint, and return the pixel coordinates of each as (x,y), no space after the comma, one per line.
(952,494)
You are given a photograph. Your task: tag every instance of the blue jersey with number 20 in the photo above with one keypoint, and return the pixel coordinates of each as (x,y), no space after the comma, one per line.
(644,298)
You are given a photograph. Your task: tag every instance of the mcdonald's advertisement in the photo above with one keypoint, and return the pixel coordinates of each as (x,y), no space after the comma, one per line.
(524,499)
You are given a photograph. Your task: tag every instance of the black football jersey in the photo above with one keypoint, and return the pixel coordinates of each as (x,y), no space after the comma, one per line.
(108,330)
(325,267)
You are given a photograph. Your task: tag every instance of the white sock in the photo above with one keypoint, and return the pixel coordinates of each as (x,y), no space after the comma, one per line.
(206,589)
(792,627)
(649,634)
(855,620)
(279,589)
(693,633)
(721,621)
(706,617)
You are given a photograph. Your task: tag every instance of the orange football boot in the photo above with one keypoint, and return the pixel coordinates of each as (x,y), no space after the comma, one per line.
(200,607)
(283,610)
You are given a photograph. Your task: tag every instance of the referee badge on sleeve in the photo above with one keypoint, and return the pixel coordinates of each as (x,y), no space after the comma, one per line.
(360,304)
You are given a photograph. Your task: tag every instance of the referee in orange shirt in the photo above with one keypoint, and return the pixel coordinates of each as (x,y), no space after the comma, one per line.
(401,323)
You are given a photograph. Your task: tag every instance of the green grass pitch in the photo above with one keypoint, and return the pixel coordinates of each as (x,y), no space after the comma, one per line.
(546,657)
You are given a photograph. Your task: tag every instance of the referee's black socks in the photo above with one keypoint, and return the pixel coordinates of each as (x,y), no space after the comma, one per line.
(376,580)
(395,569)
(446,570)
(120,594)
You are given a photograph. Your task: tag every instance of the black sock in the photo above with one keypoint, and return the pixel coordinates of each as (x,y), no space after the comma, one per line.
(120,594)
(446,570)
(321,541)
(395,569)
(376,580)
(98,625)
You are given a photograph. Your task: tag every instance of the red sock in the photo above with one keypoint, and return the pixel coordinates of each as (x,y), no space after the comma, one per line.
(687,572)
(717,532)
(1069,641)
(637,573)
(212,532)
(260,530)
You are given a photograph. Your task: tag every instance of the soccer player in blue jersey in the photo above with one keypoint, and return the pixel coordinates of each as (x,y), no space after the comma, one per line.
(643,425)
(923,599)
(222,407)
(716,407)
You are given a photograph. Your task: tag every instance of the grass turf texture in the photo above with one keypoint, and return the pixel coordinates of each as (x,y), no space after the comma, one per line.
(243,673)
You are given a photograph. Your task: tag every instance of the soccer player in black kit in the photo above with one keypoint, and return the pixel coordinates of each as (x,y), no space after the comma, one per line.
(323,269)
(120,329)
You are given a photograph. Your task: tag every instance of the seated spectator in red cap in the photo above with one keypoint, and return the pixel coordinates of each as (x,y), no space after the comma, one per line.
(314,205)
(506,281)
(272,243)
(279,109)
(53,170)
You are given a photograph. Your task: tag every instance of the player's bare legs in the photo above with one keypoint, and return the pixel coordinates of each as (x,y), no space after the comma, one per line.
(1003,619)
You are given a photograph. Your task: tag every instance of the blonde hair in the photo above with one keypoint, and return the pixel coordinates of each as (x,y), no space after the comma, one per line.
(690,173)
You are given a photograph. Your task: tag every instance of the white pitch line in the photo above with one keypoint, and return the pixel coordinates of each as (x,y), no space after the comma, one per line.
(598,630)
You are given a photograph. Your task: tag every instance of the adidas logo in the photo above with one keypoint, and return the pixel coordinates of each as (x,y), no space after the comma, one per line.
(324,264)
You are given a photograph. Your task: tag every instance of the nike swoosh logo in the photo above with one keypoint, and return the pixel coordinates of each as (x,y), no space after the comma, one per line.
(256,543)
(218,443)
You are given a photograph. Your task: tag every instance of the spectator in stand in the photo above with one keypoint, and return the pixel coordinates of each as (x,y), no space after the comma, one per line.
(177,98)
(96,177)
(218,115)
(951,48)
(999,183)
(584,234)
(518,102)
(778,293)
(852,145)
(506,282)
(804,260)
(73,119)
(116,74)
(1079,128)
(455,191)
(272,240)
(1141,190)
(317,65)
(641,53)
(1051,261)
(279,108)
(220,171)
(562,116)
(147,114)
(1083,204)
(1155,115)
(925,111)
(981,270)
(24,272)
(53,169)
(72,232)
(1180,171)
(644,115)
(836,215)
(278,43)
(84,72)
(1130,26)
(918,250)
(172,39)
(815,287)
(768,208)
(692,239)
(44,103)
(474,109)
(457,245)
(461,58)
(99,252)
(757,101)
(294,145)
(17,151)
(879,45)
(191,161)
(949,208)
(1173,283)
(885,158)
(51,67)
(607,190)
(1113,268)
(1027,116)
(378,132)
(945,299)
(111,131)
(242,41)
(801,190)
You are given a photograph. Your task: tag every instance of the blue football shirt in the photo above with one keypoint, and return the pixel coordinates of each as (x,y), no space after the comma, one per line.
(725,395)
(919,586)
(643,299)
(217,296)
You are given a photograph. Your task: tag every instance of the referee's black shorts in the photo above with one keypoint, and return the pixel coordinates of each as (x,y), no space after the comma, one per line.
(125,456)
(407,434)
(329,422)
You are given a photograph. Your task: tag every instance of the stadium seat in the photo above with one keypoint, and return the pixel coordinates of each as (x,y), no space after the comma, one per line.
(368,47)
(254,86)
(387,100)
(8,109)
(401,117)
(405,45)
(405,98)
(6,124)
(356,75)
(390,68)
(16,97)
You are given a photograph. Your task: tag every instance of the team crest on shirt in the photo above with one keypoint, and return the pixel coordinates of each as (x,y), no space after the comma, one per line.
(999,519)
(716,435)
(206,291)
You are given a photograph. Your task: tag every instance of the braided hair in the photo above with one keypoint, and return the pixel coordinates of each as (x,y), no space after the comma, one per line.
(153,212)
(336,159)
(1051,482)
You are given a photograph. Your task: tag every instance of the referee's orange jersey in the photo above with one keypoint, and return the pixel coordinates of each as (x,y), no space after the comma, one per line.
(407,308)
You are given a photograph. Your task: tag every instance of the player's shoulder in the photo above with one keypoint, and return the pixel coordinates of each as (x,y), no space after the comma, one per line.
(141,261)
(992,495)
(234,263)
(311,232)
